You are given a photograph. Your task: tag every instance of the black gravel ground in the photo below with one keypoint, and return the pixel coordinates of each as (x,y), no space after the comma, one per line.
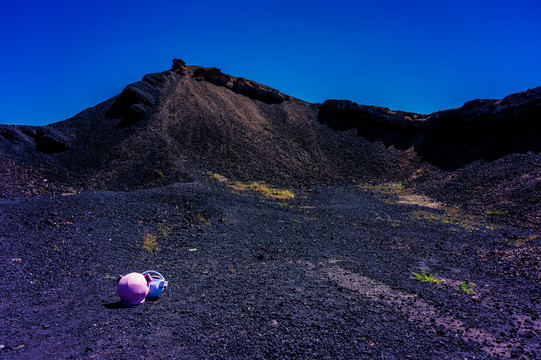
(325,275)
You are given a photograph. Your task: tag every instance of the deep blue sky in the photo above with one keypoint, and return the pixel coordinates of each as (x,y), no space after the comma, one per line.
(59,57)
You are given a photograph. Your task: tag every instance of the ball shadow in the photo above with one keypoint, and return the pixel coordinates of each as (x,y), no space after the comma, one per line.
(115,305)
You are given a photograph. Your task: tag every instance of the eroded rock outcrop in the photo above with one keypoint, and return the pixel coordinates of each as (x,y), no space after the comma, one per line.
(45,140)
(481,129)
(136,100)
(373,123)
(257,91)
(240,85)
(179,66)
(214,76)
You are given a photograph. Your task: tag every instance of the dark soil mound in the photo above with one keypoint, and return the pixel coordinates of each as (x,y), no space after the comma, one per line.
(190,120)
(182,122)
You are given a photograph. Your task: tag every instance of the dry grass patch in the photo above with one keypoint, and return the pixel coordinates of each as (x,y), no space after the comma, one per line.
(149,244)
(469,223)
(259,187)
(420,200)
(405,195)
(200,218)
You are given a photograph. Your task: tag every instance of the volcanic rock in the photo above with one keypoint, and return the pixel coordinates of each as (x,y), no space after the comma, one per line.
(214,76)
(481,129)
(257,91)
(136,100)
(178,64)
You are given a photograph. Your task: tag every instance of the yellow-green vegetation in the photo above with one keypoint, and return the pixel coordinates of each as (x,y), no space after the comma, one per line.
(524,240)
(423,276)
(394,223)
(465,288)
(159,173)
(218,177)
(259,187)
(162,229)
(421,200)
(405,195)
(200,218)
(469,223)
(265,190)
(397,188)
(451,215)
(69,191)
(149,244)
(497,212)
(304,219)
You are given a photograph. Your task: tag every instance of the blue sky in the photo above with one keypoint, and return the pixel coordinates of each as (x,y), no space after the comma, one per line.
(60,57)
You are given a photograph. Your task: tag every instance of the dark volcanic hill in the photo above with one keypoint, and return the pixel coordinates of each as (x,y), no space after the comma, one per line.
(189,120)
(400,235)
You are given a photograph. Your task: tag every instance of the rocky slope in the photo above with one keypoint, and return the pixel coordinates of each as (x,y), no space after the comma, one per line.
(189,120)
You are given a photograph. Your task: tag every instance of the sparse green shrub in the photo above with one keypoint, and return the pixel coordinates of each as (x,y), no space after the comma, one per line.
(163,230)
(423,276)
(200,218)
(524,240)
(149,244)
(217,177)
(270,192)
(259,187)
(497,212)
(160,174)
(465,288)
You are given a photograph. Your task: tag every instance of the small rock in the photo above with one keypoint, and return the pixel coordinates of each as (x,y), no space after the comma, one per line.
(178,64)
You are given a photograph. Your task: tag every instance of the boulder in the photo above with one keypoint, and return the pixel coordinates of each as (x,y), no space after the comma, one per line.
(178,64)
(179,67)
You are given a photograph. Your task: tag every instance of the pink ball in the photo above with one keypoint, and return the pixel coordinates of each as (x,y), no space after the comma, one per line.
(133,288)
